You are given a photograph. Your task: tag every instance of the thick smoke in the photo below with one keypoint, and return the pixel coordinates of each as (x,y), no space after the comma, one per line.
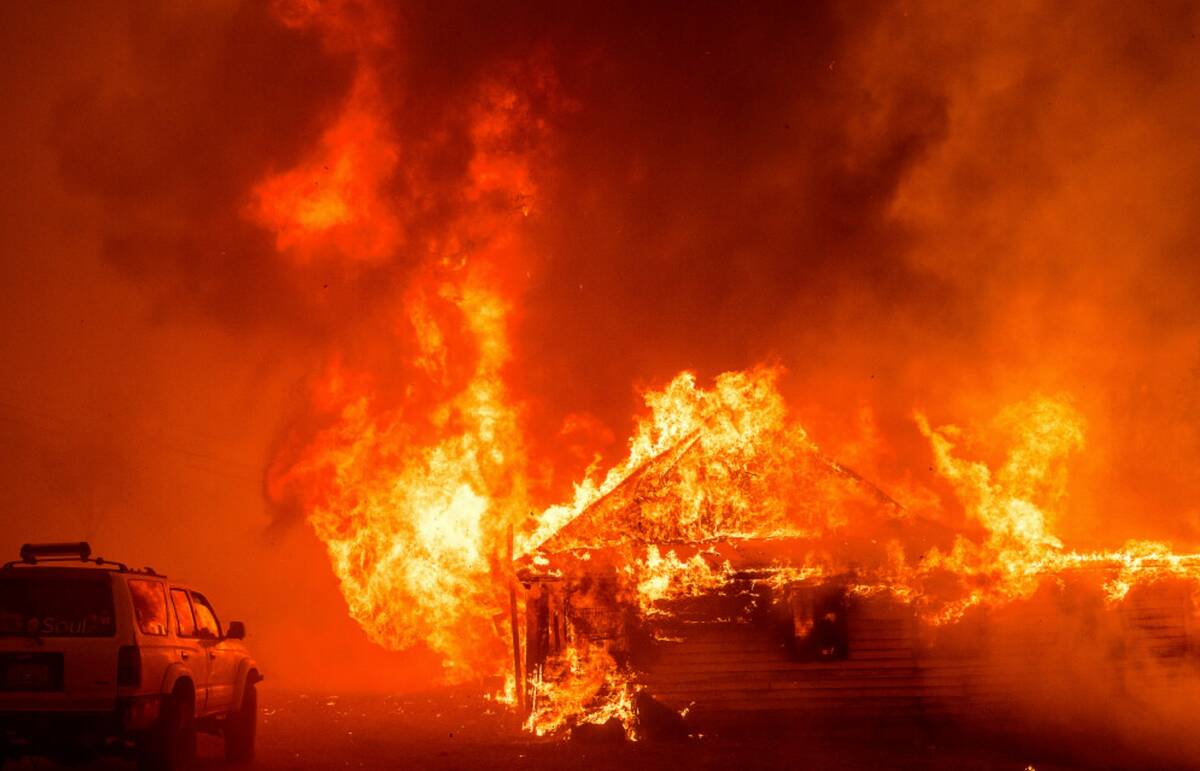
(907,206)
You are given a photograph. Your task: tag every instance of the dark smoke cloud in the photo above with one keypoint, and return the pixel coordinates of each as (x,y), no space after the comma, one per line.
(199,104)
(909,206)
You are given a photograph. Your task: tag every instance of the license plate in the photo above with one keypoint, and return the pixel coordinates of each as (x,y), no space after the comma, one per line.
(27,677)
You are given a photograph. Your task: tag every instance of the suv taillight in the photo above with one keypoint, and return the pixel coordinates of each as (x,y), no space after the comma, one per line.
(129,666)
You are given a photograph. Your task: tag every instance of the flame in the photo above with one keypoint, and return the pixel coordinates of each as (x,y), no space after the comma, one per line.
(723,485)
(658,577)
(583,686)
(412,528)
(703,437)
(414,489)
(333,203)
(1016,505)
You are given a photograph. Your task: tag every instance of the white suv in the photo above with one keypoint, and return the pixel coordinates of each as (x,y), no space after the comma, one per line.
(96,657)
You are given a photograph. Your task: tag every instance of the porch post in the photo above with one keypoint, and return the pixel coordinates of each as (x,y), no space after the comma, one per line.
(518,680)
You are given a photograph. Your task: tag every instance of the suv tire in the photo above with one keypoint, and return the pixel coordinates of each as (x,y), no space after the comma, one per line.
(171,746)
(241,727)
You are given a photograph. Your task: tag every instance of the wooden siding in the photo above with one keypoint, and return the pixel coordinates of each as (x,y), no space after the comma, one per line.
(990,667)
(744,666)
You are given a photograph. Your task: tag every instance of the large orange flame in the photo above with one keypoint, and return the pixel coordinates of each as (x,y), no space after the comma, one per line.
(414,493)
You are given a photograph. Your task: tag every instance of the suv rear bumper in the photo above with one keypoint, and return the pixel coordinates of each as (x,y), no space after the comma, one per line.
(36,730)
(53,733)
(58,723)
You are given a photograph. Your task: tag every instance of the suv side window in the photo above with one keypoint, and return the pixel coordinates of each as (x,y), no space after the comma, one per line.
(206,618)
(149,606)
(183,613)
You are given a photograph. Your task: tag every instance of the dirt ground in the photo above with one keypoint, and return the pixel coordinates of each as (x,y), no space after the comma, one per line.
(457,730)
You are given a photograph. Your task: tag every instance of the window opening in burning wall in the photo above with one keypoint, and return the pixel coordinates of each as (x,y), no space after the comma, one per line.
(819,628)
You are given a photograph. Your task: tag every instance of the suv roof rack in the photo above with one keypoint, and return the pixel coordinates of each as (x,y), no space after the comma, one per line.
(40,553)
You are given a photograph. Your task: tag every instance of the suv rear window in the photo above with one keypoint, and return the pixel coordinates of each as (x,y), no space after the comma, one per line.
(149,605)
(48,605)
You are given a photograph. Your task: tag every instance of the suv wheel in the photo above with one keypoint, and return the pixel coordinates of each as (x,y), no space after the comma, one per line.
(241,727)
(171,746)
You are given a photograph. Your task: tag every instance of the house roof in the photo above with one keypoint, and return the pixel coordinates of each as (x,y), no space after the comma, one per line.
(696,494)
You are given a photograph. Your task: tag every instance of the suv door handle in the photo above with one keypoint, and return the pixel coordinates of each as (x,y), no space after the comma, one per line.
(183,655)
(212,654)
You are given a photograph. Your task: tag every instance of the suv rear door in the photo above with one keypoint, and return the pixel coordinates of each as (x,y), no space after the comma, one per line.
(152,621)
(59,636)
(192,653)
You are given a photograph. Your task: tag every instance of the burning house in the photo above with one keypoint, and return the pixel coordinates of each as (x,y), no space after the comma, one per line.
(740,576)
